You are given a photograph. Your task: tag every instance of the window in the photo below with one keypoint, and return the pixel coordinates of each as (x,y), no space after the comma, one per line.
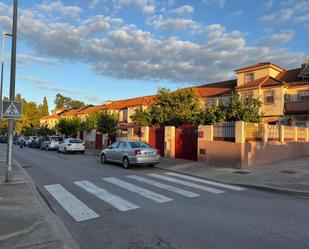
(269,98)
(122,145)
(135,145)
(75,141)
(115,145)
(249,77)
(303,96)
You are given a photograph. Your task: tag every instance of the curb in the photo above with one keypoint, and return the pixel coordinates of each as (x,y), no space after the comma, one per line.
(69,242)
(291,192)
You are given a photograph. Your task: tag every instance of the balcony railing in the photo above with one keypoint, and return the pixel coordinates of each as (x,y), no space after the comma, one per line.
(296,107)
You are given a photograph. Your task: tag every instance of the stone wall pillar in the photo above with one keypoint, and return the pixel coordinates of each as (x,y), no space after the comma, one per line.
(240,135)
(130,133)
(145,134)
(201,148)
(307,134)
(209,133)
(169,141)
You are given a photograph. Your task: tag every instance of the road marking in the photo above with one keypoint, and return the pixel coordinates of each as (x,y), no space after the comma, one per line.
(138,190)
(206,181)
(189,184)
(113,200)
(76,208)
(164,186)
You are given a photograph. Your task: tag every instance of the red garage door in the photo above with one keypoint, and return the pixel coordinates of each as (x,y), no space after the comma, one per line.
(98,141)
(156,139)
(186,142)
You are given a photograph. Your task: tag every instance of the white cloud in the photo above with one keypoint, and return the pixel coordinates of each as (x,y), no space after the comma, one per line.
(276,39)
(303,18)
(184,9)
(219,3)
(173,24)
(61,8)
(147,6)
(236,13)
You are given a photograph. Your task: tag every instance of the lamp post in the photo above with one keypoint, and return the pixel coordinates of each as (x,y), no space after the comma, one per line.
(8,173)
(2,70)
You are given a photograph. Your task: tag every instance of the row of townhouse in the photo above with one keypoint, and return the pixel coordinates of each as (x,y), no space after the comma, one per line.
(284,95)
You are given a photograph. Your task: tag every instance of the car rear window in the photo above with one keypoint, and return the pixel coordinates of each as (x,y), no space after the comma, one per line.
(139,145)
(75,141)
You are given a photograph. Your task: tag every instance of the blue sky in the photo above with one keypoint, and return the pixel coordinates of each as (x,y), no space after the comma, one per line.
(100,50)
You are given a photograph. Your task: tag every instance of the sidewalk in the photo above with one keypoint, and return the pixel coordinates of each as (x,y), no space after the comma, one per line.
(26,222)
(288,176)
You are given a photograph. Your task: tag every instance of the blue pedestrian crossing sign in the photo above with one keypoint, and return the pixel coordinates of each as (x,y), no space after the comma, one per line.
(11,110)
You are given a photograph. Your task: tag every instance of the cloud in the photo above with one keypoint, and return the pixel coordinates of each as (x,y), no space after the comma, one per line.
(303,18)
(236,13)
(147,6)
(46,85)
(184,9)
(276,39)
(219,3)
(173,24)
(59,7)
(125,51)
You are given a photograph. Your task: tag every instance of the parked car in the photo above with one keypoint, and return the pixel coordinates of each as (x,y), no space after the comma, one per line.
(36,143)
(29,139)
(3,139)
(51,143)
(130,152)
(71,145)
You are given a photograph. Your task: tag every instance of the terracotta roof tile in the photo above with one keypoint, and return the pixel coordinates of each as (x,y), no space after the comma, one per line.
(257,65)
(54,116)
(121,104)
(253,83)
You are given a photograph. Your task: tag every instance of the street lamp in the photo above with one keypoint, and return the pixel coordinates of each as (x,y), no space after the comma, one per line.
(2,69)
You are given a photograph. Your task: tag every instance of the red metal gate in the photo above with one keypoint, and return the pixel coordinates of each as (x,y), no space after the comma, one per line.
(98,141)
(186,142)
(156,139)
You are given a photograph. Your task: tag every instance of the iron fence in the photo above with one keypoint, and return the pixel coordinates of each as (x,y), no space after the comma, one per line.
(253,132)
(224,131)
(273,132)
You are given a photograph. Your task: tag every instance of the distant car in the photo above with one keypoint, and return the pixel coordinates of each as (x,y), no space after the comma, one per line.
(29,139)
(36,143)
(71,145)
(130,152)
(51,143)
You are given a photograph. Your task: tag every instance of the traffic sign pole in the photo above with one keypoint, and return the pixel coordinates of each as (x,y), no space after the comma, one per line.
(8,174)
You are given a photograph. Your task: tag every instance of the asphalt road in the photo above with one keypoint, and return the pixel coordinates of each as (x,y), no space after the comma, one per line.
(195,215)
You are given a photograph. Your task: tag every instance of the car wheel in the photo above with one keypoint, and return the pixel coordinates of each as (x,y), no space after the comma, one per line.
(58,150)
(65,150)
(125,163)
(103,159)
(150,165)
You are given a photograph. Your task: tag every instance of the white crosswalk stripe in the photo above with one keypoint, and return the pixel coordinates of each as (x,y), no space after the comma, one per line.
(223,185)
(185,183)
(138,190)
(76,208)
(114,200)
(164,186)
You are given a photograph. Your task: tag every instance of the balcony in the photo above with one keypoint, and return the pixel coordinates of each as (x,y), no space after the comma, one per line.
(296,107)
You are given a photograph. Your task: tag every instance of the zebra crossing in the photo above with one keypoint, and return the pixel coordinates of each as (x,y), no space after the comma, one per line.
(79,211)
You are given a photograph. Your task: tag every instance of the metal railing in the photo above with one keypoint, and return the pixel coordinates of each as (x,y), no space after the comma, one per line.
(224,131)
(273,132)
(253,132)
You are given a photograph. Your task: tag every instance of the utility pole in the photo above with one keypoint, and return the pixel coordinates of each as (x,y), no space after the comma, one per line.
(8,173)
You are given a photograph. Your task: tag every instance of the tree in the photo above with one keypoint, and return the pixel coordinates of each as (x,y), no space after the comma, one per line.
(107,124)
(68,127)
(43,130)
(43,108)
(91,121)
(62,101)
(142,117)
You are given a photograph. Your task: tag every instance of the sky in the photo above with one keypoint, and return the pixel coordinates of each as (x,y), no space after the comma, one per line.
(99,50)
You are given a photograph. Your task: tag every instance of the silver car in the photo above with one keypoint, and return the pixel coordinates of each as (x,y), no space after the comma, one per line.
(130,152)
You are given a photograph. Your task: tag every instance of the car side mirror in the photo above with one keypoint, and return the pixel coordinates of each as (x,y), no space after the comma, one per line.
(110,147)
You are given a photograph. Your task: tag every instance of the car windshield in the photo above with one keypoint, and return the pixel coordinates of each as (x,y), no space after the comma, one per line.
(139,145)
(75,141)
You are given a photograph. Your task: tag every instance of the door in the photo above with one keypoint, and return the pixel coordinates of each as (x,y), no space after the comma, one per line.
(156,139)
(98,141)
(186,142)
(110,151)
(119,151)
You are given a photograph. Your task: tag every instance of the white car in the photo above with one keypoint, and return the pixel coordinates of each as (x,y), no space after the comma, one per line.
(71,145)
